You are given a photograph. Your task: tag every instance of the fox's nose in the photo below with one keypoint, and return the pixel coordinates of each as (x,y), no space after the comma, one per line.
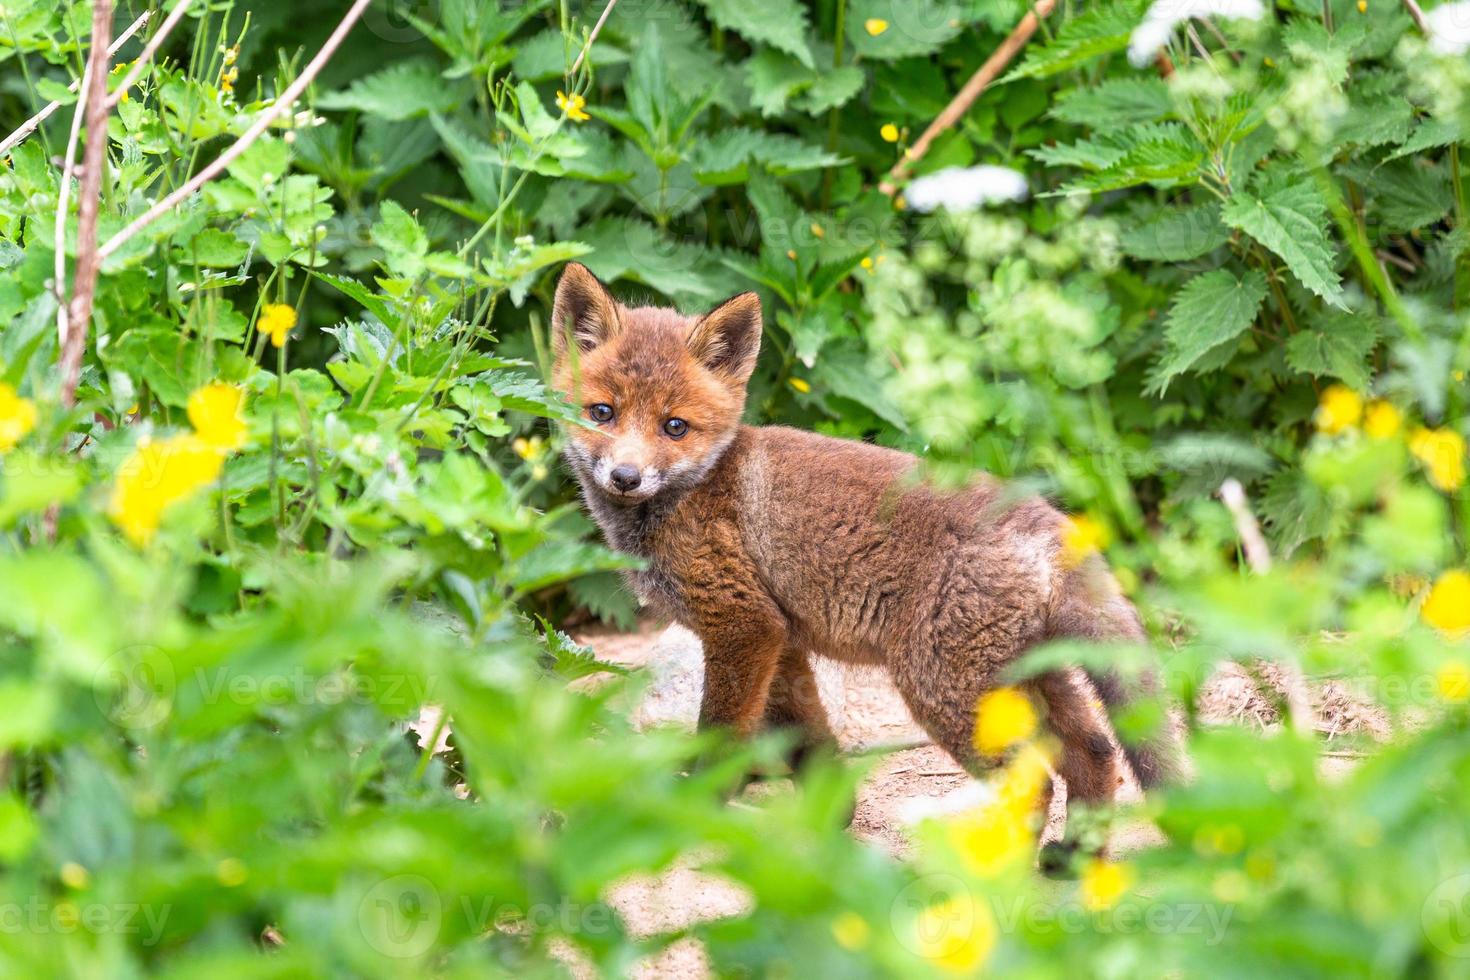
(625,477)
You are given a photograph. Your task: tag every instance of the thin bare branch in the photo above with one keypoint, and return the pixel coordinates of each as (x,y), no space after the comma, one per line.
(1257,555)
(281,106)
(63,205)
(978,83)
(30,125)
(1419,19)
(596,30)
(149,50)
(94,161)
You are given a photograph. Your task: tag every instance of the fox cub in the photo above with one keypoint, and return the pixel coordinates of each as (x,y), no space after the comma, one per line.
(774,544)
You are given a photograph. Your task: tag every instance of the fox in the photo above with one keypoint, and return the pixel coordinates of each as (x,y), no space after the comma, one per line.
(776,545)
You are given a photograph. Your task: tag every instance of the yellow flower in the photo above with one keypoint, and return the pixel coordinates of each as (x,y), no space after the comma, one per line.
(791,254)
(1103,883)
(155,477)
(1339,410)
(214,411)
(1082,536)
(572,105)
(277,320)
(231,872)
(1381,419)
(800,384)
(875,26)
(17,417)
(957,934)
(851,931)
(1021,787)
(818,230)
(1454,681)
(991,839)
(1447,608)
(1442,451)
(1362,6)
(900,203)
(74,876)
(1004,717)
(889,132)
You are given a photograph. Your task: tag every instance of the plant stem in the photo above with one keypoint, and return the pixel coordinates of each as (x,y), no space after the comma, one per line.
(834,118)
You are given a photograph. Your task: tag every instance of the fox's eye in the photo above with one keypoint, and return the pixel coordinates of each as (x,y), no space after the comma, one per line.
(676,428)
(600,412)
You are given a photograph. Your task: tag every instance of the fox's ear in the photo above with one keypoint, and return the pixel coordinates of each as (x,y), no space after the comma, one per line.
(728,338)
(583,310)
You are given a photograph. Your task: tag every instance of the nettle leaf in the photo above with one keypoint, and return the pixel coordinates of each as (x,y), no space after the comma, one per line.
(1174,234)
(1295,509)
(1115,102)
(401,238)
(400,91)
(833,87)
(1408,194)
(1338,346)
(1211,310)
(1290,219)
(780,23)
(915,27)
(1099,30)
(1430,134)
(1376,121)
(725,158)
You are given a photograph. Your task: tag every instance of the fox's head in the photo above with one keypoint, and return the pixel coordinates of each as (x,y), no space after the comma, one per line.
(663,391)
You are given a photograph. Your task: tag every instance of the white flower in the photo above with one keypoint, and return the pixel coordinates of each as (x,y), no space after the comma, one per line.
(965,188)
(1151,35)
(1449,28)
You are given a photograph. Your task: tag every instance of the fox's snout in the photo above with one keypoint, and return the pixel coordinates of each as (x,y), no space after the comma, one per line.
(625,478)
(623,475)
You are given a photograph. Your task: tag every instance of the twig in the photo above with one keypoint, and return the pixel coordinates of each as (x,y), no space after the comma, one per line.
(1257,555)
(282,104)
(149,50)
(29,126)
(63,205)
(966,96)
(1419,19)
(596,29)
(94,161)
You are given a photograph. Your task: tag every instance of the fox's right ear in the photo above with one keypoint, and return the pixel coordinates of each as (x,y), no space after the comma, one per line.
(584,312)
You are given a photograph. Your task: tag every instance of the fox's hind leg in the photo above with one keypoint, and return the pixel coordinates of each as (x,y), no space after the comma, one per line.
(795,704)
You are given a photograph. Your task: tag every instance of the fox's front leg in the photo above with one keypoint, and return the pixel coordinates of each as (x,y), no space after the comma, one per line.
(742,630)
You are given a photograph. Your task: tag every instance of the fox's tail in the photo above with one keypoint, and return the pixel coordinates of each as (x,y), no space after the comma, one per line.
(1156,758)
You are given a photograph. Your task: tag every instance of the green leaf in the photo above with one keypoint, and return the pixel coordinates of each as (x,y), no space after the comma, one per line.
(1115,102)
(725,157)
(1338,346)
(780,23)
(401,238)
(915,27)
(606,596)
(400,91)
(1173,234)
(1408,194)
(1211,310)
(1101,29)
(1290,219)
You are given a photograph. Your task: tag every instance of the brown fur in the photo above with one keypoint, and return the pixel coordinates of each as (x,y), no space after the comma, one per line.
(774,544)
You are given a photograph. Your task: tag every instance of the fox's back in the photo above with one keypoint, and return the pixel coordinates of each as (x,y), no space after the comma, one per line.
(862,557)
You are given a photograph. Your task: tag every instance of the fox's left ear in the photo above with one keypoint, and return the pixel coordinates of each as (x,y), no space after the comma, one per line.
(728,338)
